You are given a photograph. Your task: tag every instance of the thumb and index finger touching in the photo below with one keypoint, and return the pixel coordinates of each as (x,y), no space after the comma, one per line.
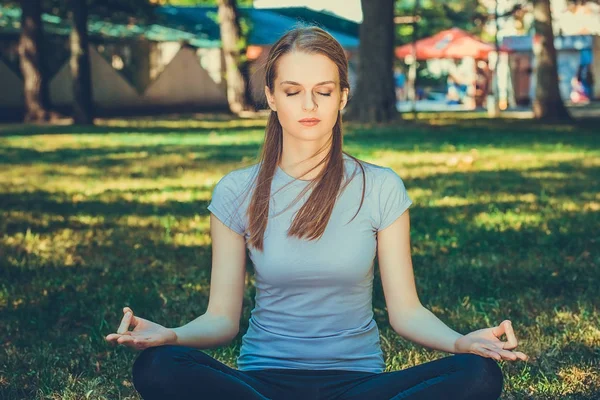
(505,327)
(128,320)
(123,330)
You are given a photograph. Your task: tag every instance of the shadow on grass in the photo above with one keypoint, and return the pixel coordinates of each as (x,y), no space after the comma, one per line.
(134,127)
(439,233)
(431,135)
(577,178)
(107,157)
(123,265)
(43,202)
(464,135)
(154,159)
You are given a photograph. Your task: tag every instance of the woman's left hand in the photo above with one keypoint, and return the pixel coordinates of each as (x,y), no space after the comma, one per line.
(486,342)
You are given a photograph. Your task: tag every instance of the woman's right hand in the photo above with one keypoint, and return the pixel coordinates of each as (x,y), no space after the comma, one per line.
(145,333)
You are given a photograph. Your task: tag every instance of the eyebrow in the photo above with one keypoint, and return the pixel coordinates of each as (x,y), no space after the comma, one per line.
(297,84)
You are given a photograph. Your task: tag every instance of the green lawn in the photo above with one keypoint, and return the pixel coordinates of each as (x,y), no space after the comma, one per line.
(504,225)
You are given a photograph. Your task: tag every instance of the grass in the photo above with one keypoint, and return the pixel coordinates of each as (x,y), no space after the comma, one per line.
(504,225)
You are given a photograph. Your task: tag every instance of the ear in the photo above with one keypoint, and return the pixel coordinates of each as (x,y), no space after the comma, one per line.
(270,99)
(344,99)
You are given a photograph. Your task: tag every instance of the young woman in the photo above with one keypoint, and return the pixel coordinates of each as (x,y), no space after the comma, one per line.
(313,218)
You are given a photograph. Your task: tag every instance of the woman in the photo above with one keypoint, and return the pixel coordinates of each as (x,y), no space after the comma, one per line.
(312,218)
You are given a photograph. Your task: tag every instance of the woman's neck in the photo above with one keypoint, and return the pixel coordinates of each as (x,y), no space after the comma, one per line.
(297,159)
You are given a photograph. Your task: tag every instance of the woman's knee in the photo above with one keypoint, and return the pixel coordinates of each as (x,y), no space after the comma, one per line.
(151,367)
(485,375)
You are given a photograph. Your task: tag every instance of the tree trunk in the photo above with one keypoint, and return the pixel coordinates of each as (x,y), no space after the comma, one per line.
(80,64)
(375,97)
(234,50)
(548,104)
(37,101)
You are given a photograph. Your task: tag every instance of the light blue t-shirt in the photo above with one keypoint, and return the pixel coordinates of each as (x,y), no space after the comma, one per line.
(313,305)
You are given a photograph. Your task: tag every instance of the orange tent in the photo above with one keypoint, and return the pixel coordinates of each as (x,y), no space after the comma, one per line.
(451,43)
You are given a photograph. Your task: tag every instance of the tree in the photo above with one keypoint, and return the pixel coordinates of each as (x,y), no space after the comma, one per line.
(435,16)
(236,64)
(31,49)
(234,44)
(375,97)
(548,104)
(37,100)
(118,10)
(80,64)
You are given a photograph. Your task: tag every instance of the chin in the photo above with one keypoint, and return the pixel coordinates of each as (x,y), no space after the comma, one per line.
(311,134)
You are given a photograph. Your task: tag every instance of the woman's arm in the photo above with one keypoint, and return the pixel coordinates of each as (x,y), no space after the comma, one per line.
(206,331)
(220,324)
(411,320)
(421,326)
(408,317)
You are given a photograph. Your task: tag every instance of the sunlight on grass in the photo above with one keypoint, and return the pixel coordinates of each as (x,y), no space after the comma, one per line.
(67,142)
(184,123)
(577,378)
(509,220)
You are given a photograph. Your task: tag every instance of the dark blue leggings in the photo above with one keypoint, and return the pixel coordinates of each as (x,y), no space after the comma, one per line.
(177,372)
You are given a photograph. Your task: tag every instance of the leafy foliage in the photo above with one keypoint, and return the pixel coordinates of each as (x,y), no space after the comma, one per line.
(199,2)
(114,10)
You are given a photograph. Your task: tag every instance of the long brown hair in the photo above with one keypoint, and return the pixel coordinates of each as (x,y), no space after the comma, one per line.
(312,218)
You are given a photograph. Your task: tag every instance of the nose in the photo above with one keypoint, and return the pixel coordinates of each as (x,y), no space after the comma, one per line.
(308,102)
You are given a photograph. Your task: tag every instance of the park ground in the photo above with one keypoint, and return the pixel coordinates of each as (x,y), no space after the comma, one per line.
(504,226)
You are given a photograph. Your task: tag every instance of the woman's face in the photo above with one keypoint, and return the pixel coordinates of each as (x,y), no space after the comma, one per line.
(307,86)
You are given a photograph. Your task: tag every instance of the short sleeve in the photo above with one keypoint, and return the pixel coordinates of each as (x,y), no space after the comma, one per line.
(393,199)
(226,204)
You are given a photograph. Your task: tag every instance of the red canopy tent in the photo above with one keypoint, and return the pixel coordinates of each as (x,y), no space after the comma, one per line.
(451,43)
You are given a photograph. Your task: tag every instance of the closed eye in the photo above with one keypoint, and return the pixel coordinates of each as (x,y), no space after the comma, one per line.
(322,94)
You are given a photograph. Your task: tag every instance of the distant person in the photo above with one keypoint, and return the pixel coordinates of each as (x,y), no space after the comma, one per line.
(586,77)
(482,83)
(463,80)
(400,84)
(453,92)
(582,85)
(578,93)
(312,218)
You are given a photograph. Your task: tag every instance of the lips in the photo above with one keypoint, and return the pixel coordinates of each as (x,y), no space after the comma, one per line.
(309,121)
